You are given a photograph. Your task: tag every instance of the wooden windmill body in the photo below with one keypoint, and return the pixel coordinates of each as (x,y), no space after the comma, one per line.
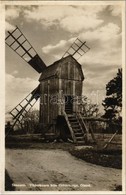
(60,85)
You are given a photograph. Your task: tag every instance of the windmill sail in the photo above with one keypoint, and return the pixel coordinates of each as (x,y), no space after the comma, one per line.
(19,112)
(77,49)
(18,42)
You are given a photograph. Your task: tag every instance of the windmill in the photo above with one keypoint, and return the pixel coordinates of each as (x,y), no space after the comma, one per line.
(19,44)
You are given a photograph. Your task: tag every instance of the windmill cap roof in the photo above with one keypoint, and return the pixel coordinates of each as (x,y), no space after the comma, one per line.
(52,70)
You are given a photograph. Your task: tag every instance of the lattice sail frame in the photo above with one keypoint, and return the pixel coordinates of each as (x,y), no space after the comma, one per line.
(19,112)
(77,49)
(19,43)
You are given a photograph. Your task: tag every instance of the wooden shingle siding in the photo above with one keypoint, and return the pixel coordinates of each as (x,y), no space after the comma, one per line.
(70,71)
(78,88)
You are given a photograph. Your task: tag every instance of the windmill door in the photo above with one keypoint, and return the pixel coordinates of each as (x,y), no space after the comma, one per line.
(68,104)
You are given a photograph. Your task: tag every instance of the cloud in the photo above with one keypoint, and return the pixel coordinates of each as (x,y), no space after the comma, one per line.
(105,44)
(94,86)
(104,33)
(104,57)
(47,49)
(17,89)
(96,70)
(12,12)
(47,14)
(69,18)
(9,27)
(80,23)
(15,72)
(58,49)
(116,10)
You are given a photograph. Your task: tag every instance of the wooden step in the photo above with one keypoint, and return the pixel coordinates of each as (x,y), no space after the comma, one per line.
(80,143)
(80,140)
(80,137)
(77,130)
(72,119)
(68,112)
(78,134)
(74,123)
(71,116)
(75,127)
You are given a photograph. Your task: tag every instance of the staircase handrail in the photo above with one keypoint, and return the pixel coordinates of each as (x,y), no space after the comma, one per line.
(91,131)
(83,123)
(68,123)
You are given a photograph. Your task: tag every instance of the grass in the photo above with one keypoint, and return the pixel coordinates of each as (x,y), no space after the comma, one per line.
(35,142)
(110,157)
(106,158)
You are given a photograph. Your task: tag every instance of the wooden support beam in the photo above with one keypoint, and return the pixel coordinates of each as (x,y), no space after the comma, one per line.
(70,128)
(85,129)
(92,133)
(110,140)
(95,119)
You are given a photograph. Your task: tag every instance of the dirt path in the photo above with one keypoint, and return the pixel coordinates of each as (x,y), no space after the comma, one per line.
(54,170)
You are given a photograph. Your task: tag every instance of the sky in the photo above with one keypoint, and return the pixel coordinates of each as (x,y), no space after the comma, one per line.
(51,29)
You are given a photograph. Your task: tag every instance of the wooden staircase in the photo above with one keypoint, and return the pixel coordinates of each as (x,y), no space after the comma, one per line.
(78,131)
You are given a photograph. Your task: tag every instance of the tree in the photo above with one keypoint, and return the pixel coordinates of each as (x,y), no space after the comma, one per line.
(31,121)
(87,108)
(90,110)
(113,102)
